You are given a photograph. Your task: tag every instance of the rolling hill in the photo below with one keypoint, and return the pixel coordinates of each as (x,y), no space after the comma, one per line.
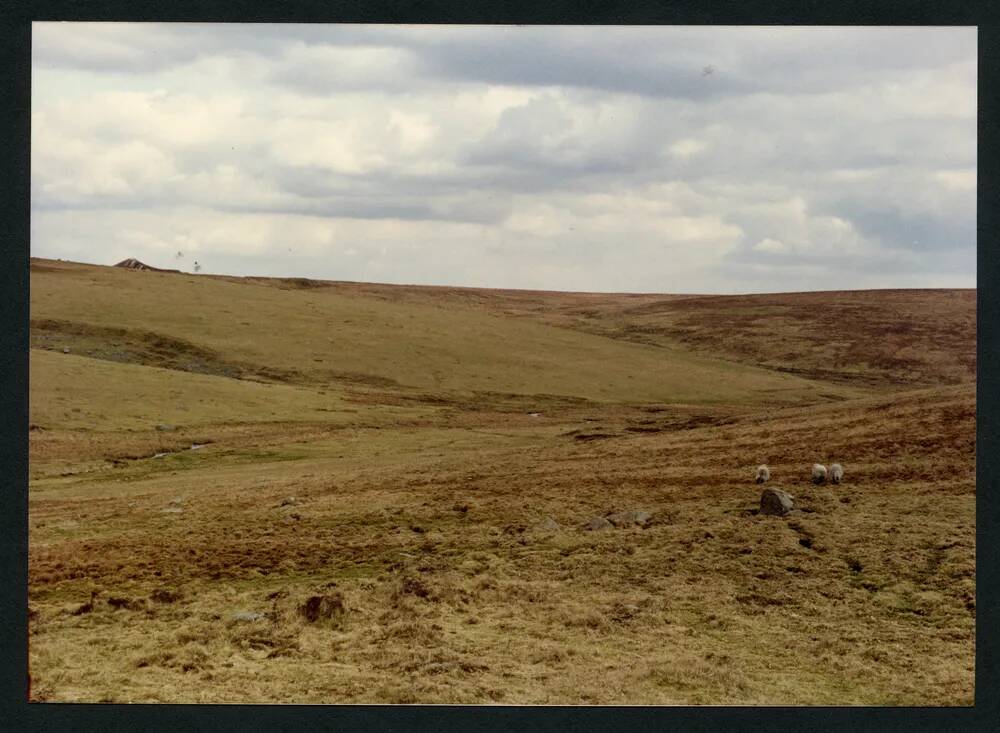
(394,451)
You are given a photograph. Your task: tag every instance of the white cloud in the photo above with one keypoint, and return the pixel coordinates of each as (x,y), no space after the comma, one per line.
(535,157)
(687,147)
(962,179)
(771,245)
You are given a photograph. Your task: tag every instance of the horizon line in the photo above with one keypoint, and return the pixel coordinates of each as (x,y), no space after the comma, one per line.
(500,289)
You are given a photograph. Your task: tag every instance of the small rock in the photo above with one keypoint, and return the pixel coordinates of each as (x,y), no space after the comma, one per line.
(547,525)
(597,524)
(88,606)
(65,349)
(534,414)
(165,428)
(85,608)
(177,500)
(130,604)
(160,455)
(630,518)
(624,612)
(197,446)
(326,606)
(414,587)
(165,595)
(290,501)
(247,616)
(775,502)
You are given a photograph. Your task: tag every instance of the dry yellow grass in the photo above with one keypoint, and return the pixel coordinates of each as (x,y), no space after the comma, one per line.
(417,522)
(325,336)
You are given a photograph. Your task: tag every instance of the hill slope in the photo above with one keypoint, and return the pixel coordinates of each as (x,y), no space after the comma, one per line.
(394,449)
(336,337)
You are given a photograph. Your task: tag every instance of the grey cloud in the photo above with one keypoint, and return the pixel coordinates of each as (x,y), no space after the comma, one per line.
(919,232)
(669,61)
(785,114)
(657,61)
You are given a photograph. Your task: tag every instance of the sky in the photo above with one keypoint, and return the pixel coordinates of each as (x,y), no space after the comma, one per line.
(663,159)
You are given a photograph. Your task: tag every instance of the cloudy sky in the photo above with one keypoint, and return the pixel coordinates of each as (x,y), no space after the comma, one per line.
(643,159)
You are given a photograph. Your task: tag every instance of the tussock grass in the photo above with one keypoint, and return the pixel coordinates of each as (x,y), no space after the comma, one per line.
(385,552)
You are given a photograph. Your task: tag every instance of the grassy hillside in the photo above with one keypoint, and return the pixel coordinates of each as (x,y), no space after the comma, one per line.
(394,449)
(322,336)
(881,338)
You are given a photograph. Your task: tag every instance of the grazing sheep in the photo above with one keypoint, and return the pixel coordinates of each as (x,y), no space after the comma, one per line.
(763,474)
(836,473)
(819,473)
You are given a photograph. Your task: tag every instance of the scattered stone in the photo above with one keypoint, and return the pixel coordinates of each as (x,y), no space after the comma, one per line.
(247,616)
(165,428)
(623,612)
(547,525)
(629,518)
(775,502)
(131,604)
(165,595)
(88,606)
(597,524)
(290,501)
(65,349)
(326,606)
(414,587)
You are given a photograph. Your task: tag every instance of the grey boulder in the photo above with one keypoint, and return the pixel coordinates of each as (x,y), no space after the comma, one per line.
(630,518)
(597,524)
(547,525)
(776,502)
(247,616)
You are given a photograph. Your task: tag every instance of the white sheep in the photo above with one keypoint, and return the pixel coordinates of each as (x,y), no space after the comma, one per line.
(836,473)
(818,473)
(763,474)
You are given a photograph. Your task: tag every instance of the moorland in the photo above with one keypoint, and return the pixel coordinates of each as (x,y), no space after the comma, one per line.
(292,490)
